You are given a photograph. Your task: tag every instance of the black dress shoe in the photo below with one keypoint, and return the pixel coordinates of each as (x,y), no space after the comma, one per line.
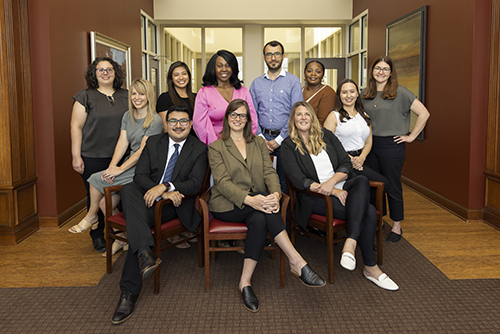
(148,262)
(309,277)
(124,309)
(99,244)
(394,237)
(249,299)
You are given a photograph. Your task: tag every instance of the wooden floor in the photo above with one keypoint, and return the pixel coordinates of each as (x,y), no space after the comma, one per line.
(55,257)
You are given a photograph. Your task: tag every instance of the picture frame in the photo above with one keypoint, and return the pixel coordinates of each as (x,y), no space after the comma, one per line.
(406,40)
(104,46)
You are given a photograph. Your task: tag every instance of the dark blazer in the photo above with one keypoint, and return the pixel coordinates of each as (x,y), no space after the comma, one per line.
(235,178)
(301,171)
(187,177)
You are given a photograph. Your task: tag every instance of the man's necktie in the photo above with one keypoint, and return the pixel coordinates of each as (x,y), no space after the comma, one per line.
(167,176)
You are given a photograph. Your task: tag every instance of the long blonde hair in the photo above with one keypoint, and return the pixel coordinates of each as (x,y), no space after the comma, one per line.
(143,86)
(315,140)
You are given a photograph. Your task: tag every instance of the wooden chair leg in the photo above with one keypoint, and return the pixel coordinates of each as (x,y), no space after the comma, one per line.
(207,266)
(214,244)
(329,249)
(109,243)
(282,269)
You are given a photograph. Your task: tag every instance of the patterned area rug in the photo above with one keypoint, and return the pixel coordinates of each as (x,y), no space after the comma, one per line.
(427,302)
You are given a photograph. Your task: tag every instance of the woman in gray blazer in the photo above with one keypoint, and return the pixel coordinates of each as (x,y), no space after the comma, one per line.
(246,190)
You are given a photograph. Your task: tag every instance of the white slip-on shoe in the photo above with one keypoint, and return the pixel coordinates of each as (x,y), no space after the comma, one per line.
(348,261)
(384,282)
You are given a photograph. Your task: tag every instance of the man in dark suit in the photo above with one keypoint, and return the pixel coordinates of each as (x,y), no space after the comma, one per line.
(172,165)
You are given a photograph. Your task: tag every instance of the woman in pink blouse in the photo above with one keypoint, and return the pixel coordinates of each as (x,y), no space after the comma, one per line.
(220,86)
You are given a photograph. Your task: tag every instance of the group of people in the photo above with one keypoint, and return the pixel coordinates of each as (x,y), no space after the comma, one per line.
(329,142)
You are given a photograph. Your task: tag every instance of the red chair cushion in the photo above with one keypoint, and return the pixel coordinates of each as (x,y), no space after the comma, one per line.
(120,220)
(322,219)
(219,226)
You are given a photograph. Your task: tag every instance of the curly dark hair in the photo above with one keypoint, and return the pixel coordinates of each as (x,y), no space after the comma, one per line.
(210,79)
(358,105)
(91,76)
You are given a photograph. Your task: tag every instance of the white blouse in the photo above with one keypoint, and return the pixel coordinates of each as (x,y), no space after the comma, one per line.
(353,133)
(324,168)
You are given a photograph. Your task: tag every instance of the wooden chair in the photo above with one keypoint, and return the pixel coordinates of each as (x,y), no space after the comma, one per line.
(215,229)
(160,230)
(331,226)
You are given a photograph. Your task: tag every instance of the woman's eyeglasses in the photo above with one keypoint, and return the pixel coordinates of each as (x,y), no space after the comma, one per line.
(105,70)
(233,115)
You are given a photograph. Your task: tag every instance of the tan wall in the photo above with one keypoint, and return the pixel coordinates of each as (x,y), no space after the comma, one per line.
(253,10)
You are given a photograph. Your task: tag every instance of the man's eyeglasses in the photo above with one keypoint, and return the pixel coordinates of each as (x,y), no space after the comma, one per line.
(276,54)
(173,122)
(233,115)
(105,70)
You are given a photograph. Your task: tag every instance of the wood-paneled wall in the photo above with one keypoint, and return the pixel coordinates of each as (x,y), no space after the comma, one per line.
(18,206)
(492,205)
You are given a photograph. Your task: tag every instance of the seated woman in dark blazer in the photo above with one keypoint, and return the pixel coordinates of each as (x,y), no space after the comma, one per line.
(314,159)
(247,189)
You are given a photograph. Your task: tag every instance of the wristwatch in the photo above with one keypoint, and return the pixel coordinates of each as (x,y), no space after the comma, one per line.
(167,185)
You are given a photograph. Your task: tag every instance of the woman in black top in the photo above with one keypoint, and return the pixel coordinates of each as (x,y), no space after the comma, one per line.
(179,92)
(95,127)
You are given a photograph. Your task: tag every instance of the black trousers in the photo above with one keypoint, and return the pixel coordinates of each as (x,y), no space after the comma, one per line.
(372,175)
(94,165)
(139,219)
(360,215)
(387,158)
(258,224)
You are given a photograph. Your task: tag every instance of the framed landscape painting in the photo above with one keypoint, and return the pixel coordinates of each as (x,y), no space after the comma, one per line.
(104,46)
(406,45)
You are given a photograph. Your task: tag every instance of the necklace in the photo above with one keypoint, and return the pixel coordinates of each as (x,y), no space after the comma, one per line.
(376,100)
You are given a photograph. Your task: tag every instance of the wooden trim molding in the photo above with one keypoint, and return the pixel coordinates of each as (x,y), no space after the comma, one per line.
(455,208)
(64,217)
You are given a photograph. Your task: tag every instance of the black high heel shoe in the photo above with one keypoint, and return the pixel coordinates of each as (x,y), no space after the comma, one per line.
(309,277)
(249,299)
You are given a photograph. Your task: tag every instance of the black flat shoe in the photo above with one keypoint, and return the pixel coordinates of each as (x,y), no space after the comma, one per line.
(394,237)
(148,262)
(249,299)
(99,244)
(124,309)
(309,277)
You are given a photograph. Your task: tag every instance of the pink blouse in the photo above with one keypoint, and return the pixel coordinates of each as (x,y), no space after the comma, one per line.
(209,110)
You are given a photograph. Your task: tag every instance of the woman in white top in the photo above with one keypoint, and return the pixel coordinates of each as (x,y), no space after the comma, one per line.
(352,126)
(314,159)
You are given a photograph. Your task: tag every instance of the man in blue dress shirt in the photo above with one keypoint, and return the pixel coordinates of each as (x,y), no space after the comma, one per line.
(273,95)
